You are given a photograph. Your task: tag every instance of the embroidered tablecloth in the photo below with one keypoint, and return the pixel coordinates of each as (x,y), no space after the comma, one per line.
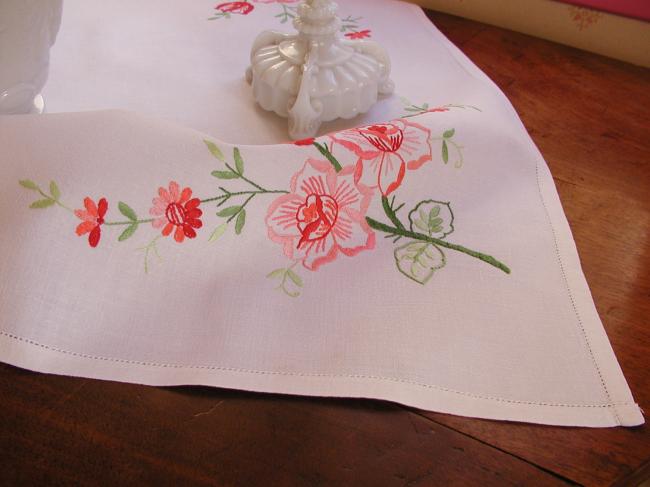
(418,255)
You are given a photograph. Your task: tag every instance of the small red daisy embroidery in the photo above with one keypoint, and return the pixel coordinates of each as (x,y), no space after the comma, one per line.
(176,211)
(242,8)
(93,219)
(362,34)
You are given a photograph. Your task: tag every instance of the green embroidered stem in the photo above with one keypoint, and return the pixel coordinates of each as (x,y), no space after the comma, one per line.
(129,222)
(49,199)
(414,110)
(390,212)
(56,201)
(382,227)
(228,194)
(241,176)
(350,23)
(241,208)
(322,148)
(452,105)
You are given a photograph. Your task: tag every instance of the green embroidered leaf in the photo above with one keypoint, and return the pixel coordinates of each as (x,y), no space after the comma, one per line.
(218,232)
(445,152)
(419,260)
(230,211)
(276,274)
(425,106)
(240,222)
(239,162)
(214,150)
(42,203)
(128,232)
(297,280)
(449,133)
(28,183)
(55,192)
(225,174)
(127,211)
(433,218)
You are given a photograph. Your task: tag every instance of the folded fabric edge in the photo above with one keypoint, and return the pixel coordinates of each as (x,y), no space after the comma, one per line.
(30,355)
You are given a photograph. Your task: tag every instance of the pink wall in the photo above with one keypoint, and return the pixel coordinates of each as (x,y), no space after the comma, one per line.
(630,8)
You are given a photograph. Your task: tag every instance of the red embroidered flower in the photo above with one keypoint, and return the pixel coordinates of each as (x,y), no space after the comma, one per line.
(362,34)
(174,208)
(93,219)
(242,8)
(323,214)
(386,151)
(308,141)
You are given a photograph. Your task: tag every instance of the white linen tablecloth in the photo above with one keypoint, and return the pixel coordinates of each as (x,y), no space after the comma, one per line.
(424,260)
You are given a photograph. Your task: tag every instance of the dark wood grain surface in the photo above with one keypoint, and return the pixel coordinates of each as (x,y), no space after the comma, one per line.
(589,116)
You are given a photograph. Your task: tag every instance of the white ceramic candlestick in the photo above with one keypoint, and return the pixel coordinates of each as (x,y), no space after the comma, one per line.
(317,76)
(27,30)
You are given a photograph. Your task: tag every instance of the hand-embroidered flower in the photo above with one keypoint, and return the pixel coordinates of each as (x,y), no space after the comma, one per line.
(323,214)
(174,208)
(242,8)
(386,151)
(93,219)
(362,34)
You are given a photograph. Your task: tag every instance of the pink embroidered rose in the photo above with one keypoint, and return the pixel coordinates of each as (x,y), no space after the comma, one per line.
(175,210)
(386,151)
(362,34)
(242,8)
(93,219)
(324,214)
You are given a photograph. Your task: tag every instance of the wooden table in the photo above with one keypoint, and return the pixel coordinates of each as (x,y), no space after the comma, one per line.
(589,116)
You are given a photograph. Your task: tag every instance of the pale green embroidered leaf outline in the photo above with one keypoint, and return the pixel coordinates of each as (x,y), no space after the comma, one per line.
(433,218)
(285,276)
(419,260)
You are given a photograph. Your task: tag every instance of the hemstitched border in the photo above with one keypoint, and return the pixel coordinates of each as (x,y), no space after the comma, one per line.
(570,294)
(300,374)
